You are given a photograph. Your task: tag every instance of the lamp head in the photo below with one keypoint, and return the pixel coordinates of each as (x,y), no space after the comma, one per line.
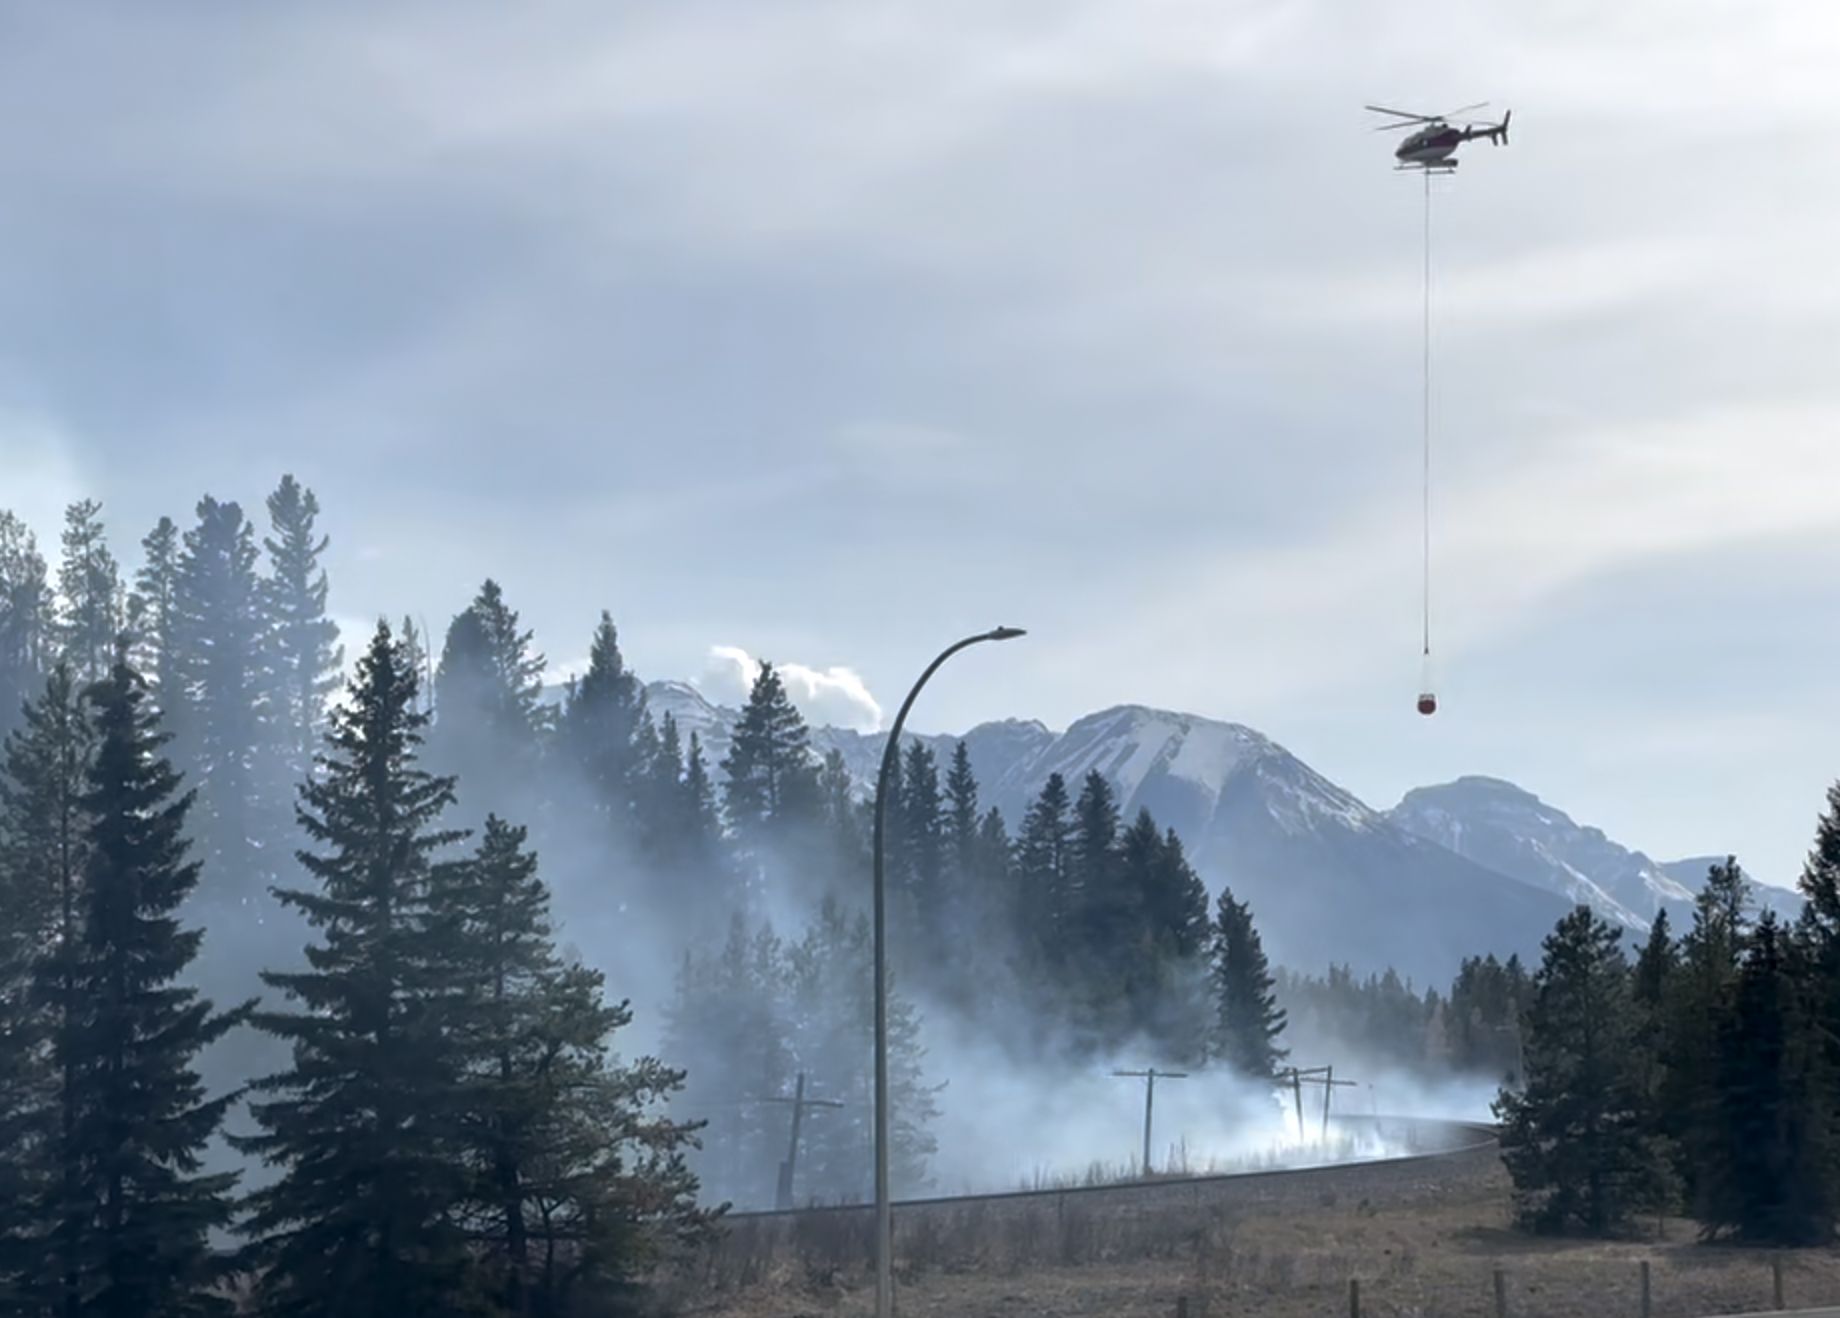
(1004,634)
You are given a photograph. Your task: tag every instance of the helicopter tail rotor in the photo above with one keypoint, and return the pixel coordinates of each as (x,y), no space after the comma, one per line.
(1498,136)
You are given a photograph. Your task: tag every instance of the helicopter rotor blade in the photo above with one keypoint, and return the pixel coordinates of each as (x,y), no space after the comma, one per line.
(1403,114)
(1479,105)
(1410,123)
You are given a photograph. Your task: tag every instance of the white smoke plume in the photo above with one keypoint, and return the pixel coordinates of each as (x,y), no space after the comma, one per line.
(834,696)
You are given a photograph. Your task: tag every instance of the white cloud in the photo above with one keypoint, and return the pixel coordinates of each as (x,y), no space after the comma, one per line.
(830,697)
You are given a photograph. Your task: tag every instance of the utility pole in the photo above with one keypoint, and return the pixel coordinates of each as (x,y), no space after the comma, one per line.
(1298,1077)
(782,1195)
(1149,1079)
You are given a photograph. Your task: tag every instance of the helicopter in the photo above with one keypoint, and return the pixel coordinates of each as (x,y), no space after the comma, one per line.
(1431,148)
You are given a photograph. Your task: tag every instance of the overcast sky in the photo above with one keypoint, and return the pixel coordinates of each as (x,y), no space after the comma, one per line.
(826,330)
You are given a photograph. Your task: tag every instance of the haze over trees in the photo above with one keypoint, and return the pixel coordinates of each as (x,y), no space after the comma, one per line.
(444,885)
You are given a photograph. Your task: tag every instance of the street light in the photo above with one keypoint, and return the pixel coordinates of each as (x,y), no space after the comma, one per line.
(884,1217)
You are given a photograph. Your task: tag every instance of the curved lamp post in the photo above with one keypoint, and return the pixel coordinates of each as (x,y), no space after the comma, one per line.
(884,1220)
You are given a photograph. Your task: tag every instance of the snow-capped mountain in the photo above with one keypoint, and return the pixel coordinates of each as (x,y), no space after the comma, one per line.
(1330,878)
(1509,829)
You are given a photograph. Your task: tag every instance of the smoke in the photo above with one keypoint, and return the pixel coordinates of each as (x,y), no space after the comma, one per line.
(834,696)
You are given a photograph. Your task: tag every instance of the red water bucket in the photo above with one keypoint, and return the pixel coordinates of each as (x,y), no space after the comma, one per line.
(1427,703)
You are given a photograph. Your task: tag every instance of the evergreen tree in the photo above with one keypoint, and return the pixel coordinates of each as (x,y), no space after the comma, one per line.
(574,1183)
(25,619)
(1044,877)
(917,859)
(1710,954)
(44,849)
(362,1128)
(602,733)
(961,820)
(729,1027)
(90,603)
(1651,990)
(1248,1019)
(224,736)
(845,818)
(489,716)
(771,794)
(1771,1174)
(829,988)
(303,641)
(142,1211)
(154,608)
(1574,1141)
(416,658)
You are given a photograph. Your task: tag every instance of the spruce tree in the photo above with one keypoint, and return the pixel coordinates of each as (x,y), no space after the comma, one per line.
(303,640)
(917,860)
(44,849)
(829,985)
(600,736)
(91,608)
(490,721)
(1651,991)
(225,733)
(729,1027)
(1248,1019)
(362,1128)
(154,607)
(1771,1168)
(1044,878)
(566,1161)
(1574,1141)
(1711,952)
(141,1120)
(26,619)
(771,784)
(961,818)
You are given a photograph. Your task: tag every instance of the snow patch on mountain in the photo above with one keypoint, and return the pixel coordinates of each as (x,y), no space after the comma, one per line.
(1509,829)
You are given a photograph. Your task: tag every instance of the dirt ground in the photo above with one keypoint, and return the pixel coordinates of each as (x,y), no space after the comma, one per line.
(1433,1256)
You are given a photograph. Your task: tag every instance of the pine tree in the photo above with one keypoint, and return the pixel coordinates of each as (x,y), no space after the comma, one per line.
(574,1183)
(845,818)
(1651,990)
(729,1027)
(1771,1170)
(417,660)
(91,608)
(141,1121)
(771,792)
(362,1128)
(303,641)
(917,859)
(962,821)
(1248,1020)
(1044,878)
(602,731)
(489,717)
(829,985)
(224,735)
(26,618)
(44,849)
(1574,1141)
(1711,952)
(154,608)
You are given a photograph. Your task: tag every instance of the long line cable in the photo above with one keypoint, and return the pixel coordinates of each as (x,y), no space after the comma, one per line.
(1427,417)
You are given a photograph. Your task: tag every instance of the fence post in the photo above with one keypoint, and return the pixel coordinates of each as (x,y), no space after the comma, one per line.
(1501,1294)
(1647,1293)
(1182,1306)
(1354,1298)
(1776,1280)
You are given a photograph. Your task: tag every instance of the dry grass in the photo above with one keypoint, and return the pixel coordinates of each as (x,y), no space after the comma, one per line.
(1435,1254)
